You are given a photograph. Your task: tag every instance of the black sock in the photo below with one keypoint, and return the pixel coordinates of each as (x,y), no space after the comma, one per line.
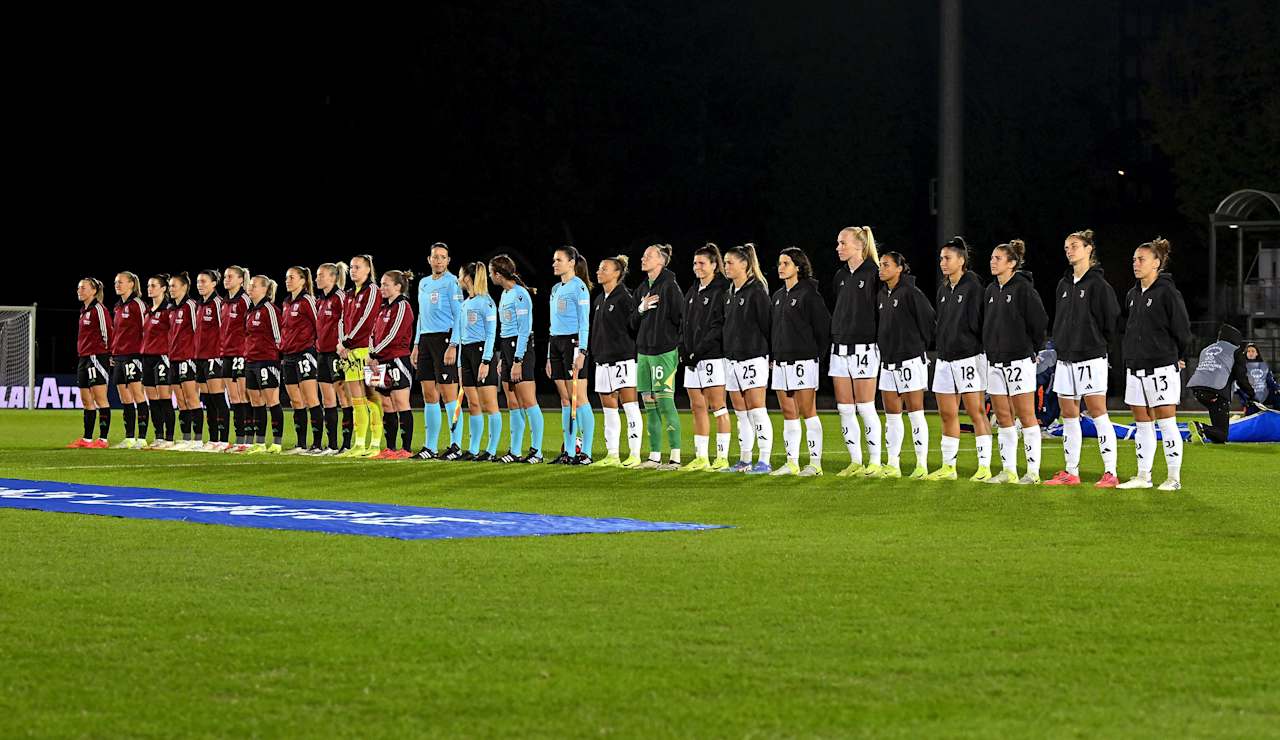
(222,414)
(277,424)
(300,426)
(390,424)
(89,417)
(406,430)
(244,423)
(317,426)
(157,412)
(104,422)
(348,425)
(197,422)
(260,424)
(130,413)
(184,421)
(144,416)
(331,427)
(170,418)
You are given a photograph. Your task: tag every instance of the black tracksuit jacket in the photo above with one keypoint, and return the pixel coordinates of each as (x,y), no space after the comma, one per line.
(854,319)
(959,321)
(1157,332)
(1013,320)
(611,334)
(801,325)
(746,321)
(906,321)
(1086,316)
(701,337)
(658,329)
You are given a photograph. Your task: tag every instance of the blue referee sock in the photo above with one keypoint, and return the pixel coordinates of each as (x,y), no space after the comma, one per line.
(517,431)
(477,430)
(587,425)
(534,415)
(495,432)
(455,433)
(431,420)
(566,429)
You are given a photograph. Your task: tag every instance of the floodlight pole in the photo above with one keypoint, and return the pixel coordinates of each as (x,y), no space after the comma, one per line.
(950,123)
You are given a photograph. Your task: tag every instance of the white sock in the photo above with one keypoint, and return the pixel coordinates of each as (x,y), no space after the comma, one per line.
(919,437)
(851,431)
(983,441)
(871,426)
(1072,439)
(950,448)
(1145,441)
(655,457)
(764,432)
(700,442)
(813,435)
(791,439)
(1031,447)
(635,427)
(722,445)
(1106,443)
(1172,439)
(1008,438)
(674,455)
(893,439)
(612,430)
(746,435)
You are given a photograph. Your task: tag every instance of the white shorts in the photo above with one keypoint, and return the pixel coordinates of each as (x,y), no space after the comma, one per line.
(706,374)
(905,377)
(800,375)
(1076,379)
(1012,378)
(747,374)
(968,375)
(1152,388)
(855,361)
(614,376)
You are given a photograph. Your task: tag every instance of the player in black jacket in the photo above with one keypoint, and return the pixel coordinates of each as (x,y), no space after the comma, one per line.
(961,369)
(746,347)
(904,332)
(1156,339)
(1013,327)
(855,356)
(656,320)
(613,350)
(1084,322)
(801,332)
(702,356)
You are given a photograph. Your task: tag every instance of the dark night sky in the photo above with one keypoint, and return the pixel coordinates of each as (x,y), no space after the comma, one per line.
(517,126)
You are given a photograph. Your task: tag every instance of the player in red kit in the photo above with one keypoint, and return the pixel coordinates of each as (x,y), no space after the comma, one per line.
(234,308)
(93,344)
(301,363)
(209,370)
(156,370)
(262,364)
(182,353)
(126,359)
(358,315)
(389,349)
(331,280)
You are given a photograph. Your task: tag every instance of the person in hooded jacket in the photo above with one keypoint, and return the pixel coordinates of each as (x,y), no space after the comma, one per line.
(1261,380)
(1222,365)
(855,356)
(801,332)
(656,321)
(746,347)
(702,355)
(614,356)
(904,332)
(1156,338)
(1084,323)
(960,373)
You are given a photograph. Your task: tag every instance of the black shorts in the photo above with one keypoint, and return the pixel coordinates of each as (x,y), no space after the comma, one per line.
(155,370)
(92,370)
(528,365)
(232,368)
(262,376)
(393,375)
(184,371)
(332,367)
(431,367)
(471,360)
(209,368)
(301,366)
(126,369)
(563,349)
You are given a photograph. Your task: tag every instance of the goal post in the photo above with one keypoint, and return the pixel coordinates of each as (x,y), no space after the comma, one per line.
(18,352)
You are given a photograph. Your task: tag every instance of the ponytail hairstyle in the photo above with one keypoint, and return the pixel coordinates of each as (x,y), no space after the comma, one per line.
(900,261)
(97,286)
(185,279)
(804,268)
(506,267)
(864,235)
(957,245)
(1016,250)
(339,272)
(622,261)
(479,277)
(242,272)
(711,252)
(579,265)
(214,276)
(308,285)
(373,274)
(665,250)
(403,278)
(1086,237)
(747,253)
(163,279)
(1160,248)
(267,283)
(137,287)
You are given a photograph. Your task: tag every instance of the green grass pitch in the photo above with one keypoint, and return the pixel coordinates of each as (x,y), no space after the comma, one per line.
(832,609)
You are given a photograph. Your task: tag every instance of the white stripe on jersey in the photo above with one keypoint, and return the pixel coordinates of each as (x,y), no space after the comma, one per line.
(395,329)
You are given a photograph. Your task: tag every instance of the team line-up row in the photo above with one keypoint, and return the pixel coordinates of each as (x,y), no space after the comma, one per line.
(338,344)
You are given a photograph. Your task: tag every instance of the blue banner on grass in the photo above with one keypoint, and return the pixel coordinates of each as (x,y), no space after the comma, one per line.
(337,517)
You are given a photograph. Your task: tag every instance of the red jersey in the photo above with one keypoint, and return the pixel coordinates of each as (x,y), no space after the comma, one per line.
(299,330)
(393,332)
(95,330)
(234,310)
(155,335)
(131,321)
(262,333)
(357,318)
(328,314)
(209,328)
(182,337)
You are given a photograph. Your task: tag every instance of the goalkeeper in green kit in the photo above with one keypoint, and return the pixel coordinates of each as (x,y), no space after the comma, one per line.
(657,319)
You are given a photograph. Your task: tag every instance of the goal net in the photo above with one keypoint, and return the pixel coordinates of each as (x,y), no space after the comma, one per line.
(17,355)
